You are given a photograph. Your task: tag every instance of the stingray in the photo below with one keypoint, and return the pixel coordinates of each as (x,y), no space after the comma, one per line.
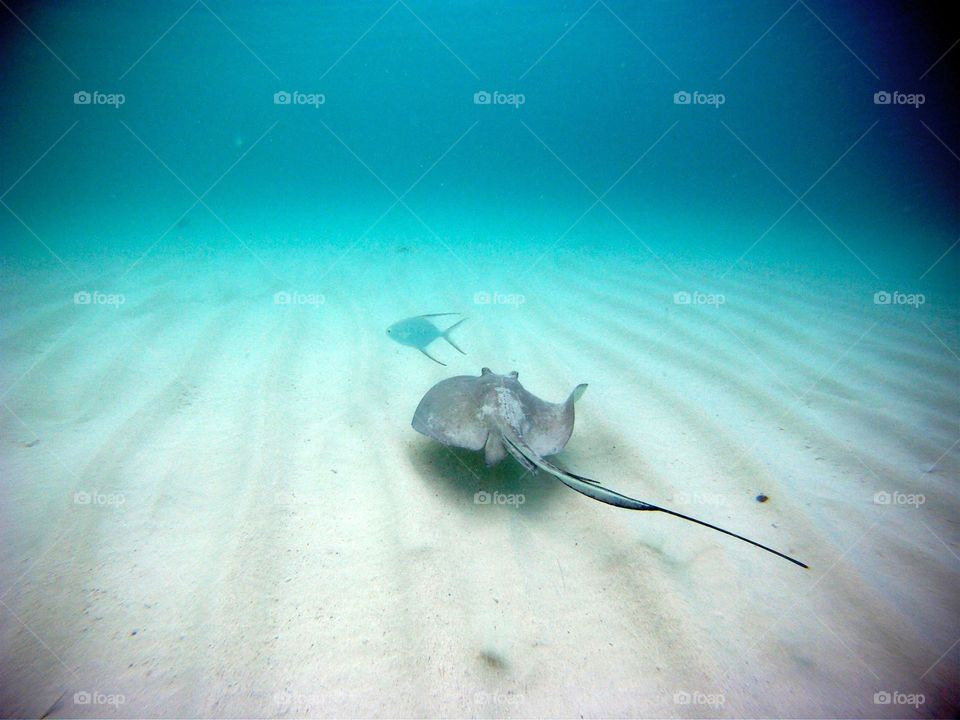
(419,332)
(494,413)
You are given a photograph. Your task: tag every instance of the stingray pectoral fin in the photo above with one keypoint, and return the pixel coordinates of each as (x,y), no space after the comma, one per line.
(594,490)
(493,450)
(449,414)
(551,424)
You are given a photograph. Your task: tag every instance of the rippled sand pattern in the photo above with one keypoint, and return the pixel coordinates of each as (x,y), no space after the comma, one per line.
(214,505)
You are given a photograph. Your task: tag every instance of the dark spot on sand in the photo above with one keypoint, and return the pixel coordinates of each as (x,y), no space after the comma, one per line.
(762,498)
(493,661)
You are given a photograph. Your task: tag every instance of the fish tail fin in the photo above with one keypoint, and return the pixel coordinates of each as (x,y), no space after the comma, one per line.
(446,335)
(431,357)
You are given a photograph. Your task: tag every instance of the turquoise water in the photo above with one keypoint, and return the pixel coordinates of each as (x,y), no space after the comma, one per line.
(736,222)
(398,83)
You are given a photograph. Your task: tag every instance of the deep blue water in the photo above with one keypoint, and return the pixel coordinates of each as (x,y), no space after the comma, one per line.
(398,82)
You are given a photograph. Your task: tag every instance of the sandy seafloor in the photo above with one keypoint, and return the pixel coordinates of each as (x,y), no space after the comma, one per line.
(265,535)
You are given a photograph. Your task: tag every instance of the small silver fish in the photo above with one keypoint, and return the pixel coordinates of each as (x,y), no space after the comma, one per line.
(418,332)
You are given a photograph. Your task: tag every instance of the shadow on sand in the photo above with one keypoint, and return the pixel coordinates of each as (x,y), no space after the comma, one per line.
(459,475)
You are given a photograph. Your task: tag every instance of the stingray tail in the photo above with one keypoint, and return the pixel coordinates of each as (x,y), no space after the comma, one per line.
(593,489)
(446,335)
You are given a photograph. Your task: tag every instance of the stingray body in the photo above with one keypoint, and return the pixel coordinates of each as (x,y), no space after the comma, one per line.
(496,414)
(419,332)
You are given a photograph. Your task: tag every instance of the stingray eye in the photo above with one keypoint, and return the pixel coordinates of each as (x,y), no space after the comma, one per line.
(485,371)
(514,374)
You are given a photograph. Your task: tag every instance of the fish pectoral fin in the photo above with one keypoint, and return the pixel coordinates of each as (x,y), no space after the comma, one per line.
(431,357)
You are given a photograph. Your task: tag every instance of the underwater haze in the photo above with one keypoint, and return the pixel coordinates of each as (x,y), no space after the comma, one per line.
(241,241)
